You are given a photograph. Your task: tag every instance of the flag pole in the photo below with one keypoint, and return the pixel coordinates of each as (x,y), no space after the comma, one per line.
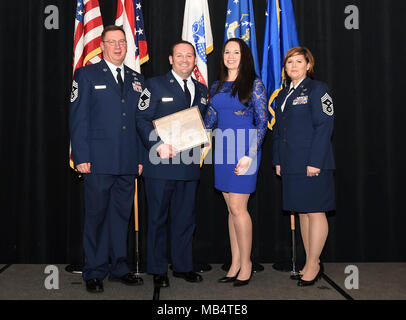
(137,251)
(292,228)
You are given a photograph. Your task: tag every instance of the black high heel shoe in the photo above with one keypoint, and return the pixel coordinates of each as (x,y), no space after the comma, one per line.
(228,279)
(240,283)
(305,283)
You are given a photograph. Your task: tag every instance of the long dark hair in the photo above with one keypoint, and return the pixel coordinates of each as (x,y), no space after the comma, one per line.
(244,82)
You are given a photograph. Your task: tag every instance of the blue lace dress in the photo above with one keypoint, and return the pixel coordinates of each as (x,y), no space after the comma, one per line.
(239,131)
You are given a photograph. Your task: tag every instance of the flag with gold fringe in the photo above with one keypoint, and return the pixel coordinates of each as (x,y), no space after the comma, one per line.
(280,35)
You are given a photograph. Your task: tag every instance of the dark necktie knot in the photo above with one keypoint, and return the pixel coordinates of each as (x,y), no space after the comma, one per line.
(187,92)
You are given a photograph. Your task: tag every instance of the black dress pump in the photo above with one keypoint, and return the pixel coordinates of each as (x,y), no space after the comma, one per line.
(240,283)
(228,279)
(305,283)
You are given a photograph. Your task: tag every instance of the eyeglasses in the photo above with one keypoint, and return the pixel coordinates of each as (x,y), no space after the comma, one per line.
(113,43)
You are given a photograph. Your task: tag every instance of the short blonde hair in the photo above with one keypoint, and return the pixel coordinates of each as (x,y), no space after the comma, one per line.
(299,51)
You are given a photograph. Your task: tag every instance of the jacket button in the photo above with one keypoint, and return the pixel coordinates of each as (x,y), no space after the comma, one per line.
(124,114)
(122,100)
(124,127)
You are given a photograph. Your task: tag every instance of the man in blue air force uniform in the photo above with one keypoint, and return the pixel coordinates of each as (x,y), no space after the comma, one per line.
(170,177)
(106,150)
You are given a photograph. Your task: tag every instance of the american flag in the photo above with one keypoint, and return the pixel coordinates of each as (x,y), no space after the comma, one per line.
(87,35)
(129,16)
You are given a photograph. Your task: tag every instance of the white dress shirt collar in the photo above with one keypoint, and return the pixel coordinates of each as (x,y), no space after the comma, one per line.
(190,85)
(290,92)
(297,84)
(180,80)
(113,69)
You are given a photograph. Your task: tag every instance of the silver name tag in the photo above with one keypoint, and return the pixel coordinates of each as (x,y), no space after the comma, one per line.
(100,87)
(167,99)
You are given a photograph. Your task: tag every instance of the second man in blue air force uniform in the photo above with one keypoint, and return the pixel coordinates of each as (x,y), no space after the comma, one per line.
(171,184)
(106,150)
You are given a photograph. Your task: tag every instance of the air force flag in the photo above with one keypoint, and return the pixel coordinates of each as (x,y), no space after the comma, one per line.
(240,23)
(280,35)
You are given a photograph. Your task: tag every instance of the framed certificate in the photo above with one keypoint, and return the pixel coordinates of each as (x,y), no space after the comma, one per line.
(183,130)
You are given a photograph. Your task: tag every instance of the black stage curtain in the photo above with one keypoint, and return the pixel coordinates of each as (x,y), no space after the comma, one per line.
(41,200)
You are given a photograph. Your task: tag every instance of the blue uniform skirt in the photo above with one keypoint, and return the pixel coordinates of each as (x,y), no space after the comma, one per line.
(308,194)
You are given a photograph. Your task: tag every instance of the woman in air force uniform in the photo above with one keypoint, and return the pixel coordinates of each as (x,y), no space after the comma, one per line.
(303,156)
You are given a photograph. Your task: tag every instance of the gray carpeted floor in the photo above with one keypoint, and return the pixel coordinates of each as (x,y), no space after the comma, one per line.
(377,281)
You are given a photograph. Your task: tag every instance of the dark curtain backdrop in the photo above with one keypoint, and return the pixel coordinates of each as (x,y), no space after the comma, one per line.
(41,202)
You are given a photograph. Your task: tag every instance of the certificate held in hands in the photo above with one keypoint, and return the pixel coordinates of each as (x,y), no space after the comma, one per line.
(183,130)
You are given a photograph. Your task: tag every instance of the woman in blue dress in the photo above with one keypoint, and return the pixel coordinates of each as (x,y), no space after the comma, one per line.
(238,111)
(303,155)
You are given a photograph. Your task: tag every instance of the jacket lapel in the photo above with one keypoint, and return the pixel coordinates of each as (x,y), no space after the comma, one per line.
(109,78)
(178,90)
(129,77)
(295,94)
(175,87)
(198,94)
(281,97)
(292,97)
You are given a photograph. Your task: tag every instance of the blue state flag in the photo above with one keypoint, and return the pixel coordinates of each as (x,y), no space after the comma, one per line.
(280,35)
(240,23)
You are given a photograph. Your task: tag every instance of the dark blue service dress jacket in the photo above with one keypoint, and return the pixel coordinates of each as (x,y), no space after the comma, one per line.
(167,97)
(302,132)
(103,120)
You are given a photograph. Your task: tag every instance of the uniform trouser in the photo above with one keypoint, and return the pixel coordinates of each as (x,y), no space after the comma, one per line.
(108,204)
(177,197)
